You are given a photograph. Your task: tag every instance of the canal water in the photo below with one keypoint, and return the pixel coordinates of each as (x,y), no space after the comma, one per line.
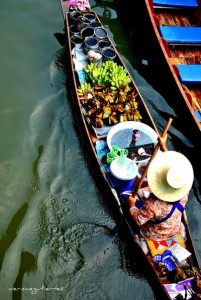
(55,227)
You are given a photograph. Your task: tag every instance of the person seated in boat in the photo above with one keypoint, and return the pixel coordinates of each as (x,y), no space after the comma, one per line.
(158,213)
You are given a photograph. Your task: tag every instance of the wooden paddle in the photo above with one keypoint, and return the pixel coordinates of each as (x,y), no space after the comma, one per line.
(152,157)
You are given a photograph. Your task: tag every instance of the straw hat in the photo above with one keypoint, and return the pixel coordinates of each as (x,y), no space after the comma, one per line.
(170,176)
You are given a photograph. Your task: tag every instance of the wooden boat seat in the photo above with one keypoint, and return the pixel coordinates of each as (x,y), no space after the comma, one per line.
(175,4)
(190,74)
(181,35)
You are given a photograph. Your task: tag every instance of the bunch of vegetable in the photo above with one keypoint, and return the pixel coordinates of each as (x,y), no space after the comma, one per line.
(107,96)
(110,74)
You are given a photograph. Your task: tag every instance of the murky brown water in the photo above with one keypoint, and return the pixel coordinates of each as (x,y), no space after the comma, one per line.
(55,240)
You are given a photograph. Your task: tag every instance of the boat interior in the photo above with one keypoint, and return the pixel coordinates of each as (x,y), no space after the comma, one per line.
(180,32)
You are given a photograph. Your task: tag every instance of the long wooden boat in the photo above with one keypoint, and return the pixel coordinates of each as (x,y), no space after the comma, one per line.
(98,147)
(176,29)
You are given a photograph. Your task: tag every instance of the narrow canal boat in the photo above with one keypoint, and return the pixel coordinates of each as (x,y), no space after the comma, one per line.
(116,126)
(176,28)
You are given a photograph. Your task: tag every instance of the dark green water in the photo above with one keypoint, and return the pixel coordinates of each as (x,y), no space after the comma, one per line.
(54,223)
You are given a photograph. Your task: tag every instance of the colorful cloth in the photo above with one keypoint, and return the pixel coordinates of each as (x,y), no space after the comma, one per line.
(155,209)
(158,247)
(174,289)
(165,261)
(102,151)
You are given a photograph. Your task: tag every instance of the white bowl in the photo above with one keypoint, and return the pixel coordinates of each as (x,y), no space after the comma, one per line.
(126,171)
(121,136)
(123,132)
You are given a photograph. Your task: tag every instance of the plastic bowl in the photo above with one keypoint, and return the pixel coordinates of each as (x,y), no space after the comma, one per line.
(125,171)
(121,136)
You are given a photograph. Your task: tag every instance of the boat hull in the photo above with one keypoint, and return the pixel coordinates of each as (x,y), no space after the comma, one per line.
(164,61)
(109,193)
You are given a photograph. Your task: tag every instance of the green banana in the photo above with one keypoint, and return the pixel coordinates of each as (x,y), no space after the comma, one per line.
(85,86)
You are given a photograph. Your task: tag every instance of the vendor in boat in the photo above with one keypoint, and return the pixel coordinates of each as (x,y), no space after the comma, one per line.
(159,208)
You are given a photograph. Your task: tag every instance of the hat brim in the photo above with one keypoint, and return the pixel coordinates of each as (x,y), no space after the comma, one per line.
(157,175)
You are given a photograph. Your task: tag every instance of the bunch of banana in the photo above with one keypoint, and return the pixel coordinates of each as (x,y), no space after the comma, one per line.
(114,67)
(100,76)
(110,74)
(109,64)
(83,88)
(118,75)
(97,75)
(89,68)
(118,80)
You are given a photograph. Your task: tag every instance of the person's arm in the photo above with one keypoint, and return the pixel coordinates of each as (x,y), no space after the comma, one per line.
(131,201)
(142,195)
(142,214)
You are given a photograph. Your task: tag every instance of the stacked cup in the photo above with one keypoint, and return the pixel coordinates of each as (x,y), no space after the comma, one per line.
(88,34)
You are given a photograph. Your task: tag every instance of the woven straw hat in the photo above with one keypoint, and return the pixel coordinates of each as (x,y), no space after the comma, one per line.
(170,176)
